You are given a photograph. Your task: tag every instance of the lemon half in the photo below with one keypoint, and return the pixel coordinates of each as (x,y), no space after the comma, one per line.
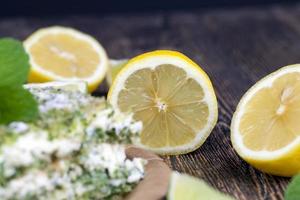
(265,128)
(65,54)
(171,95)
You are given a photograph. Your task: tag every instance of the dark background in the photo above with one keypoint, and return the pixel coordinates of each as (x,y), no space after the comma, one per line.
(45,8)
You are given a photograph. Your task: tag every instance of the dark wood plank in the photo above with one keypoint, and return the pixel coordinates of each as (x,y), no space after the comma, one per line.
(236,47)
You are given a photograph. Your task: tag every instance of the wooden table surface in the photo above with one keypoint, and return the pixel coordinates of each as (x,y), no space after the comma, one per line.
(235,46)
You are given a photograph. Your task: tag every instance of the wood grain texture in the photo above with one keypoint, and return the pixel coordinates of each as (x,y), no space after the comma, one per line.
(236,47)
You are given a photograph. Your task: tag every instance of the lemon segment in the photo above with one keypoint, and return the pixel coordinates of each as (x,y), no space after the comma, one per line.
(189,188)
(265,128)
(173,98)
(65,54)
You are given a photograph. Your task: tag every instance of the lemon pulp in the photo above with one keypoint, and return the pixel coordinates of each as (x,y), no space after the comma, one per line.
(271,117)
(169,103)
(65,56)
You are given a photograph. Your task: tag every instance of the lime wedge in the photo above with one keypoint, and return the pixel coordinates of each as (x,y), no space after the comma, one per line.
(185,187)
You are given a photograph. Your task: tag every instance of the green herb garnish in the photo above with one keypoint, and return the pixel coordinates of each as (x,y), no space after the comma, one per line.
(293,190)
(16,103)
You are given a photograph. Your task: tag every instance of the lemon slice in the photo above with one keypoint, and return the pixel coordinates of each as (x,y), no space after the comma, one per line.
(114,68)
(171,95)
(65,54)
(189,188)
(265,128)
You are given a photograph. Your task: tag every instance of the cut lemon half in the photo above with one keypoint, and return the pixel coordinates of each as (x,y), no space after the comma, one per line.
(265,129)
(65,54)
(171,95)
(189,188)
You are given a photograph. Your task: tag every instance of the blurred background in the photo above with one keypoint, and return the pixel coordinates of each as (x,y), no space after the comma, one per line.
(54,7)
(260,35)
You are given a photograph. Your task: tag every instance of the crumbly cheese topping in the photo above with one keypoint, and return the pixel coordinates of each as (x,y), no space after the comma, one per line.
(51,99)
(74,151)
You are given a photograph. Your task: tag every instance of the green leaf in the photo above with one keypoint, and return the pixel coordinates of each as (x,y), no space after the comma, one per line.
(14,63)
(293,190)
(17,104)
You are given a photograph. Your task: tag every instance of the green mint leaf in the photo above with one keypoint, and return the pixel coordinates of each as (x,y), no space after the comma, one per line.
(17,104)
(293,190)
(14,63)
